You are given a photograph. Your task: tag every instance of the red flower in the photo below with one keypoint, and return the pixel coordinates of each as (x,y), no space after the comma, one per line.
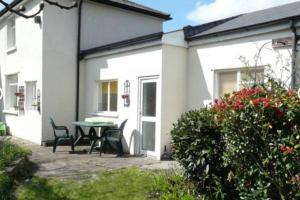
(289,150)
(285,149)
(279,113)
(282,148)
(248,184)
(238,106)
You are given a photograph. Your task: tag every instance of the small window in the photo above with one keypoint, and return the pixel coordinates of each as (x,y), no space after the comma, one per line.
(108,96)
(227,82)
(31,96)
(234,80)
(11,33)
(11,90)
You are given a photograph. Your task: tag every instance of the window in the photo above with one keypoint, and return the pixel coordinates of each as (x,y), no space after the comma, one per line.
(233,80)
(108,96)
(31,96)
(11,90)
(11,33)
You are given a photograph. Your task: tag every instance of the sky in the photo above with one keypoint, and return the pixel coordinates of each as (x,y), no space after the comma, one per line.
(194,12)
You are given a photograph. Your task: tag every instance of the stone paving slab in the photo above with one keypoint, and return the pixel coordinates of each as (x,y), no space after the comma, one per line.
(80,165)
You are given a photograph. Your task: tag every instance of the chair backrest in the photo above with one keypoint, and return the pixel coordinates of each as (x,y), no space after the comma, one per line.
(53,126)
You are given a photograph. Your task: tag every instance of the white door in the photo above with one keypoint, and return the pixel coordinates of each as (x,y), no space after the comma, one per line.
(148,114)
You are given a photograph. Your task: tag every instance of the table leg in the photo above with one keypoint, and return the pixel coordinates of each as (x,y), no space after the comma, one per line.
(93,136)
(82,135)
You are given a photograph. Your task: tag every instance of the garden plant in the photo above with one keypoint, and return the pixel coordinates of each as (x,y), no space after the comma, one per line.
(246,145)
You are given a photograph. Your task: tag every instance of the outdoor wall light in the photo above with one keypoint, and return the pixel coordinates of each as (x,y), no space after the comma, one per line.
(126,95)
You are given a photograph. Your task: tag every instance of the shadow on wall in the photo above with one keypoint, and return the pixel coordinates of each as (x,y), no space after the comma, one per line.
(134,142)
(198,90)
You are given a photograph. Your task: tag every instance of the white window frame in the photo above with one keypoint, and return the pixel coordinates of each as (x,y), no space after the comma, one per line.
(31,108)
(8,100)
(99,83)
(238,79)
(11,34)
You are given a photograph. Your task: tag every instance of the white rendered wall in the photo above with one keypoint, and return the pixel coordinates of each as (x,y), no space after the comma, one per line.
(204,61)
(124,66)
(59,68)
(174,90)
(26,60)
(103,24)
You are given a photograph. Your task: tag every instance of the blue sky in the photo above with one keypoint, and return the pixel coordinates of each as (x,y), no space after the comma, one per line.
(192,12)
(178,9)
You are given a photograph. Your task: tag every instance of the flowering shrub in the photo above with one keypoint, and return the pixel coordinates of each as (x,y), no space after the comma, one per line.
(253,142)
(262,131)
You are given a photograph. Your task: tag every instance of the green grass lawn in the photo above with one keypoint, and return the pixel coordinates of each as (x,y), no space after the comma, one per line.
(124,184)
(127,184)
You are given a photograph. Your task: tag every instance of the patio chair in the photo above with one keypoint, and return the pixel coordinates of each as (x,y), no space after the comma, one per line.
(114,136)
(64,137)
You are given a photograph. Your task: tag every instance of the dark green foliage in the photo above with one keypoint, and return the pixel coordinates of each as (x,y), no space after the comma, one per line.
(198,146)
(9,153)
(249,140)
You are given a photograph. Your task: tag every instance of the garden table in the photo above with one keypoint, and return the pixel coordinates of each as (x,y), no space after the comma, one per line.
(92,135)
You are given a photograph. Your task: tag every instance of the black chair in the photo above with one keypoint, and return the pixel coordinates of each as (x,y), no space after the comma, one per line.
(113,136)
(58,138)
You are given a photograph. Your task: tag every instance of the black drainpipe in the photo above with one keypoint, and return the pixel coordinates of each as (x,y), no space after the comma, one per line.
(294,52)
(78,63)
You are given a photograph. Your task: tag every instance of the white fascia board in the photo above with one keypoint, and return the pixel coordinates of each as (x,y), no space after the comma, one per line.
(270,32)
(175,38)
(124,49)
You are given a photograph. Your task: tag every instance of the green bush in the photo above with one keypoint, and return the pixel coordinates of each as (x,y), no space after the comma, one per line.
(249,140)
(262,131)
(9,153)
(198,146)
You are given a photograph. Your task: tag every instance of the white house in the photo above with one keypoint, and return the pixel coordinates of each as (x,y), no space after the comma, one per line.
(120,65)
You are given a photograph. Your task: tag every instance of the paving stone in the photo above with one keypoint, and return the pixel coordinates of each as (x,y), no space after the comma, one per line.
(81,165)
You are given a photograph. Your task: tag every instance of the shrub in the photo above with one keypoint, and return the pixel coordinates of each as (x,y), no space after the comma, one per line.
(262,131)
(9,153)
(249,140)
(198,146)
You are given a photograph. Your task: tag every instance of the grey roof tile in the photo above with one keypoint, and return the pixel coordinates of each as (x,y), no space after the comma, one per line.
(254,18)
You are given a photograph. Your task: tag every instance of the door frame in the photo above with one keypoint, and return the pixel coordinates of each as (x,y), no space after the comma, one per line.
(154,78)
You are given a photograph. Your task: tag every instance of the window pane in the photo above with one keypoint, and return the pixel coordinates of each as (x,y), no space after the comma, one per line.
(30,96)
(149,99)
(227,83)
(113,96)
(104,94)
(148,135)
(11,33)
(251,77)
(11,89)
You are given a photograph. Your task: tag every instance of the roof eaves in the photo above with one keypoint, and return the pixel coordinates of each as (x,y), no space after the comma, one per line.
(244,28)
(122,44)
(190,31)
(135,9)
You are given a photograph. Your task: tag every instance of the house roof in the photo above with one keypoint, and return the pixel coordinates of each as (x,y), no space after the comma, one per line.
(123,4)
(244,21)
(122,44)
(129,5)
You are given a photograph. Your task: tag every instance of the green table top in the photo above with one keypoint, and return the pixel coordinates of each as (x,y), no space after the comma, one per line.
(94,124)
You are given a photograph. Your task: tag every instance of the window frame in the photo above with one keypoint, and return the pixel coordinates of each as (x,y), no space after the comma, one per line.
(238,71)
(32,108)
(11,34)
(99,84)
(8,85)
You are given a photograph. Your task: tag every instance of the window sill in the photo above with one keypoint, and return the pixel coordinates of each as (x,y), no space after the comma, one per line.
(11,50)
(106,114)
(10,112)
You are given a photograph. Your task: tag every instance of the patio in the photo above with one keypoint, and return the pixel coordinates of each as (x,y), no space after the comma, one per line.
(82,165)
